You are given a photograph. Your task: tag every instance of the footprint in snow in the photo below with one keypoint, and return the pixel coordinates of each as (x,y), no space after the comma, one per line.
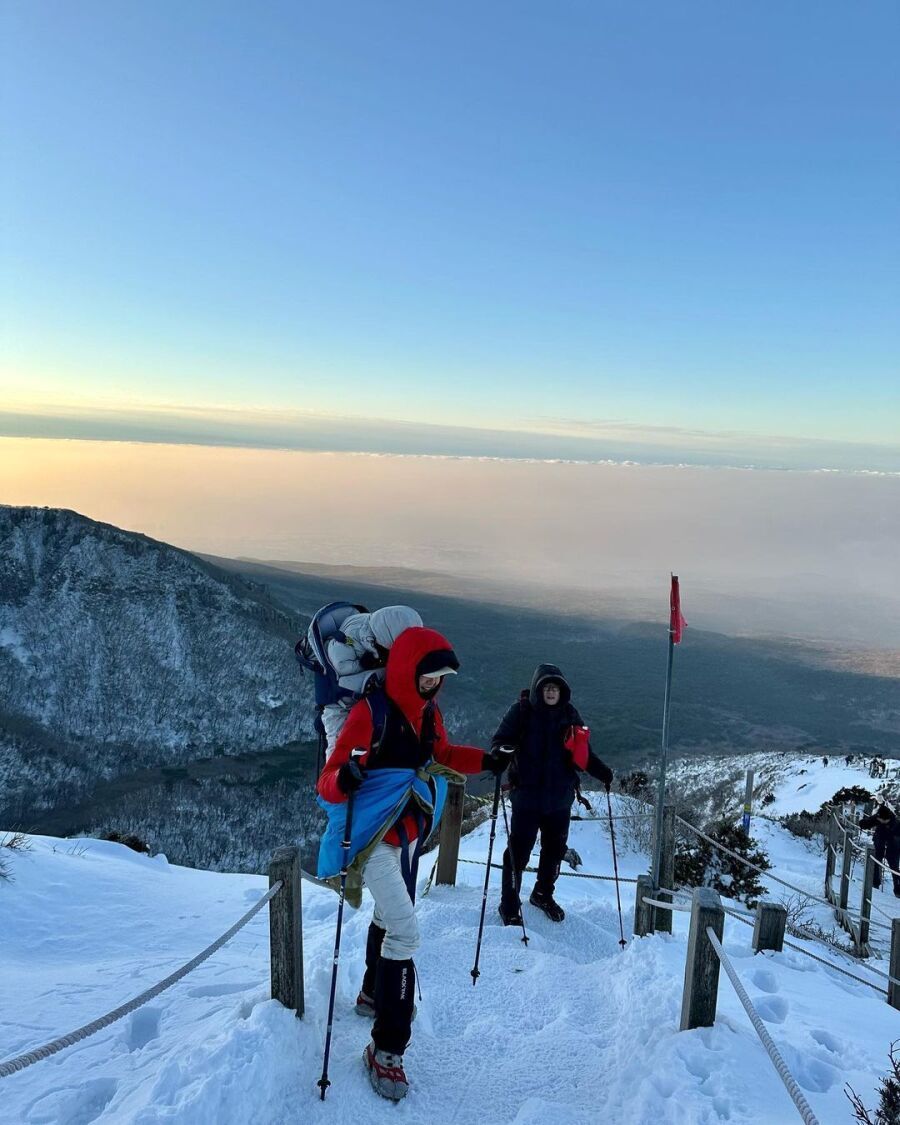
(765,981)
(221,989)
(773,1009)
(75,1105)
(828,1041)
(142,1028)
(815,1075)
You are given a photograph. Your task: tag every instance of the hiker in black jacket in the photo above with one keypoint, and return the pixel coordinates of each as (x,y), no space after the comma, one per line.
(545,743)
(887,843)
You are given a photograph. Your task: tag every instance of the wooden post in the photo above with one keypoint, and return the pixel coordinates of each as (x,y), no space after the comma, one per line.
(893,997)
(865,905)
(701,970)
(662,919)
(286,930)
(846,861)
(830,846)
(451,829)
(643,915)
(748,801)
(768,930)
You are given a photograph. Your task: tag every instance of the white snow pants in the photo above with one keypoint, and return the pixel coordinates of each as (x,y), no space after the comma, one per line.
(394,910)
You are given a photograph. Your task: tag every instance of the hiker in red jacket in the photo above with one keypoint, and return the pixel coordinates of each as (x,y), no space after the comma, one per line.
(407,755)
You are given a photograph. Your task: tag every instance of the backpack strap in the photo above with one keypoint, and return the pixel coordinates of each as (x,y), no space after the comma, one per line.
(524,709)
(378,708)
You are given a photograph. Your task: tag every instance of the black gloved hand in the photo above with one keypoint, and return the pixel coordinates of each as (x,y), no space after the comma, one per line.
(498,759)
(350,776)
(606,778)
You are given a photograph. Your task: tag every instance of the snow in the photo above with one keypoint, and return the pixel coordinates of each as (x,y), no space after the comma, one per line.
(806,784)
(569,1030)
(13,641)
(797,781)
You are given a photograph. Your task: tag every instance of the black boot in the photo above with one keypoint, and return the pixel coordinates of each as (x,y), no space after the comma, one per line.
(365,1002)
(395,983)
(510,915)
(546,902)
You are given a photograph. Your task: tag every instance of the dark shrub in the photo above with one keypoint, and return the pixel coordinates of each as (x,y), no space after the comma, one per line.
(703,865)
(129,840)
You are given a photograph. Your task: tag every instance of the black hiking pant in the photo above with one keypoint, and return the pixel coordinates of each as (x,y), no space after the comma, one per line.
(523,832)
(395,983)
(888,853)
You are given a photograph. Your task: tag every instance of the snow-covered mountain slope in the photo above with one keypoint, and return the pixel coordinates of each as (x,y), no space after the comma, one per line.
(568,1030)
(783,783)
(110,639)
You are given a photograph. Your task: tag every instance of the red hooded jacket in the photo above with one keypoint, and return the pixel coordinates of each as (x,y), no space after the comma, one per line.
(401,688)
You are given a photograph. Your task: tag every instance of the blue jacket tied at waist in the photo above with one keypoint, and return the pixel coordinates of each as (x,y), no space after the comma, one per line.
(380,799)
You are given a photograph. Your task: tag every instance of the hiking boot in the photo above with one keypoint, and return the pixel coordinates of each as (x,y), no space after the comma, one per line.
(386,1073)
(548,904)
(510,916)
(365,1005)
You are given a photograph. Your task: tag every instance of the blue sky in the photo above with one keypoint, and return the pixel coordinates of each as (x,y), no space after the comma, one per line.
(492,215)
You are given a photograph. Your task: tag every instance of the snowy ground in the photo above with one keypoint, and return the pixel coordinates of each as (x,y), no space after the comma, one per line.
(800,782)
(797,781)
(570,1029)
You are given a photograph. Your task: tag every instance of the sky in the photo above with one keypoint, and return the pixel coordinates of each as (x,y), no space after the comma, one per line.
(576,294)
(601,218)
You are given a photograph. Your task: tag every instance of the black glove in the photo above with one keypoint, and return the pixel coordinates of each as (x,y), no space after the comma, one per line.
(606,778)
(350,776)
(498,759)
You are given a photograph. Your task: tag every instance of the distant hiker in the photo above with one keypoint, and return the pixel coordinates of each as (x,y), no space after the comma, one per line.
(886,835)
(849,760)
(408,760)
(824,760)
(550,744)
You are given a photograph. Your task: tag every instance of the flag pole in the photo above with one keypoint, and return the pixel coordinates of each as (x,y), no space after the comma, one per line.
(676,623)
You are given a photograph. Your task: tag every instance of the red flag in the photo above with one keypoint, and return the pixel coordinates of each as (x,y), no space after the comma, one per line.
(676,622)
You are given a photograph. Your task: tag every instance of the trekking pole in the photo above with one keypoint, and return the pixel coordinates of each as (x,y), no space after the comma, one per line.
(612,836)
(323,1082)
(487,877)
(512,863)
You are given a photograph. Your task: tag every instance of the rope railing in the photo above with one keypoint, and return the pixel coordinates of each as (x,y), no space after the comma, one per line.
(755,867)
(20,1062)
(567,874)
(605,819)
(832,965)
(885,866)
(796,1094)
(666,905)
(747,919)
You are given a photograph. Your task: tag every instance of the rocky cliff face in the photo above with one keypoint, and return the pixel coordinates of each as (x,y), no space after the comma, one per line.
(108,638)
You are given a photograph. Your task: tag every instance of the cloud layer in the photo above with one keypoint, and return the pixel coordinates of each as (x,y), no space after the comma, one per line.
(543,439)
(810,552)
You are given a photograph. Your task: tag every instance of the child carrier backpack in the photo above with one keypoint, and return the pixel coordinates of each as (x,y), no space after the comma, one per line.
(311,652)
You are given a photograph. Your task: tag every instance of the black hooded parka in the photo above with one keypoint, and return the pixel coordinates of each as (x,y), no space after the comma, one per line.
(542,776)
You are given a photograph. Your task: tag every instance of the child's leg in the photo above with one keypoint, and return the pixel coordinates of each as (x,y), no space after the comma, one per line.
(333,718)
